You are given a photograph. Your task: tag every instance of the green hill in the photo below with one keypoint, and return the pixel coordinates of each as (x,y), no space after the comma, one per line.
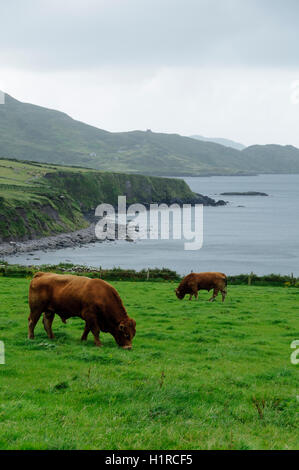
(272,158)
(34,133)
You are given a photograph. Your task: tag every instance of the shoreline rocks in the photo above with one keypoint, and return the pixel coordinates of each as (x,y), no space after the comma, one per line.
(82,236)
(53,242)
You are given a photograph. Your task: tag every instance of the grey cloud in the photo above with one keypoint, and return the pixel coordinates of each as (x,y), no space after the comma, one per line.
(50,34)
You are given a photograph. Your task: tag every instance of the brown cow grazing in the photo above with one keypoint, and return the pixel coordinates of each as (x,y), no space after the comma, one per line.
(93,300)
(194,282)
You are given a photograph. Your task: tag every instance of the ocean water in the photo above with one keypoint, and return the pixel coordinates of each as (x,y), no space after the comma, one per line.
(251,233)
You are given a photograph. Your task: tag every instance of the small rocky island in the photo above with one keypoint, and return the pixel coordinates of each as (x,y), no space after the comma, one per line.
(248,193)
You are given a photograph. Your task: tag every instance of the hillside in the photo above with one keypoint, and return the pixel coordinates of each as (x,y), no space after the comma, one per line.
(39,200)
(283,159)
(34,133)
(221,141)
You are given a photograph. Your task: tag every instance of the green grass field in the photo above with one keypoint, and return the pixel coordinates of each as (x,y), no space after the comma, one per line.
(199,376)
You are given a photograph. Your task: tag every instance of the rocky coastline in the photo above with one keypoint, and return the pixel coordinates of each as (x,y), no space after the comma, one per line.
(82,236)
(53,242)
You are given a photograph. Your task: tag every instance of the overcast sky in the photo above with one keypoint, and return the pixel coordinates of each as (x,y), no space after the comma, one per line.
(220,68)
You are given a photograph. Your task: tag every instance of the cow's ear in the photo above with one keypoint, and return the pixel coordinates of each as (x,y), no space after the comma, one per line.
(121,326)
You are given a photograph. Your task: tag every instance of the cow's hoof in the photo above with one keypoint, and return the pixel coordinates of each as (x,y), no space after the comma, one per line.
(98,345)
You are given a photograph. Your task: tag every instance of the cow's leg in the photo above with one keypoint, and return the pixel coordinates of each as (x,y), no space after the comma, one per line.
(194,294)
(215,293)
(32,321)
(95,329)
(92,324)
(47,321)
(223,293)
(85,333)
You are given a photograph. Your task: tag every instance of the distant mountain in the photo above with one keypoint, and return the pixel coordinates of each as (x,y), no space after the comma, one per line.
(30,132)
(272,158)
(219,140)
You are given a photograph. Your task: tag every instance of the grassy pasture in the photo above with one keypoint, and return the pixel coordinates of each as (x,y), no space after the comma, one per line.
(199,376)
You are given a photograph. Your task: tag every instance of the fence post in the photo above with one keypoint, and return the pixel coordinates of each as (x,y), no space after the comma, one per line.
(147,274)
(250,278)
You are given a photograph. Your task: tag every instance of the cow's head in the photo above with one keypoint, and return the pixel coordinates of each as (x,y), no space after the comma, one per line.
(180,295)
(125,333)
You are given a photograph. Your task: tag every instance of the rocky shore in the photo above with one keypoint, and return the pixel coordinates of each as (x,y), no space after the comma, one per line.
(82,236)
(199,199)
(53,242)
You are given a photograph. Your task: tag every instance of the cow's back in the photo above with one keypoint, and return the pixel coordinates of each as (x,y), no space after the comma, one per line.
(73,294)
(210,280)
(47,289)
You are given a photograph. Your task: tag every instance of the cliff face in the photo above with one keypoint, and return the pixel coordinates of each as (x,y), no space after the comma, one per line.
(90,189)
(26,220)
(46,200)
